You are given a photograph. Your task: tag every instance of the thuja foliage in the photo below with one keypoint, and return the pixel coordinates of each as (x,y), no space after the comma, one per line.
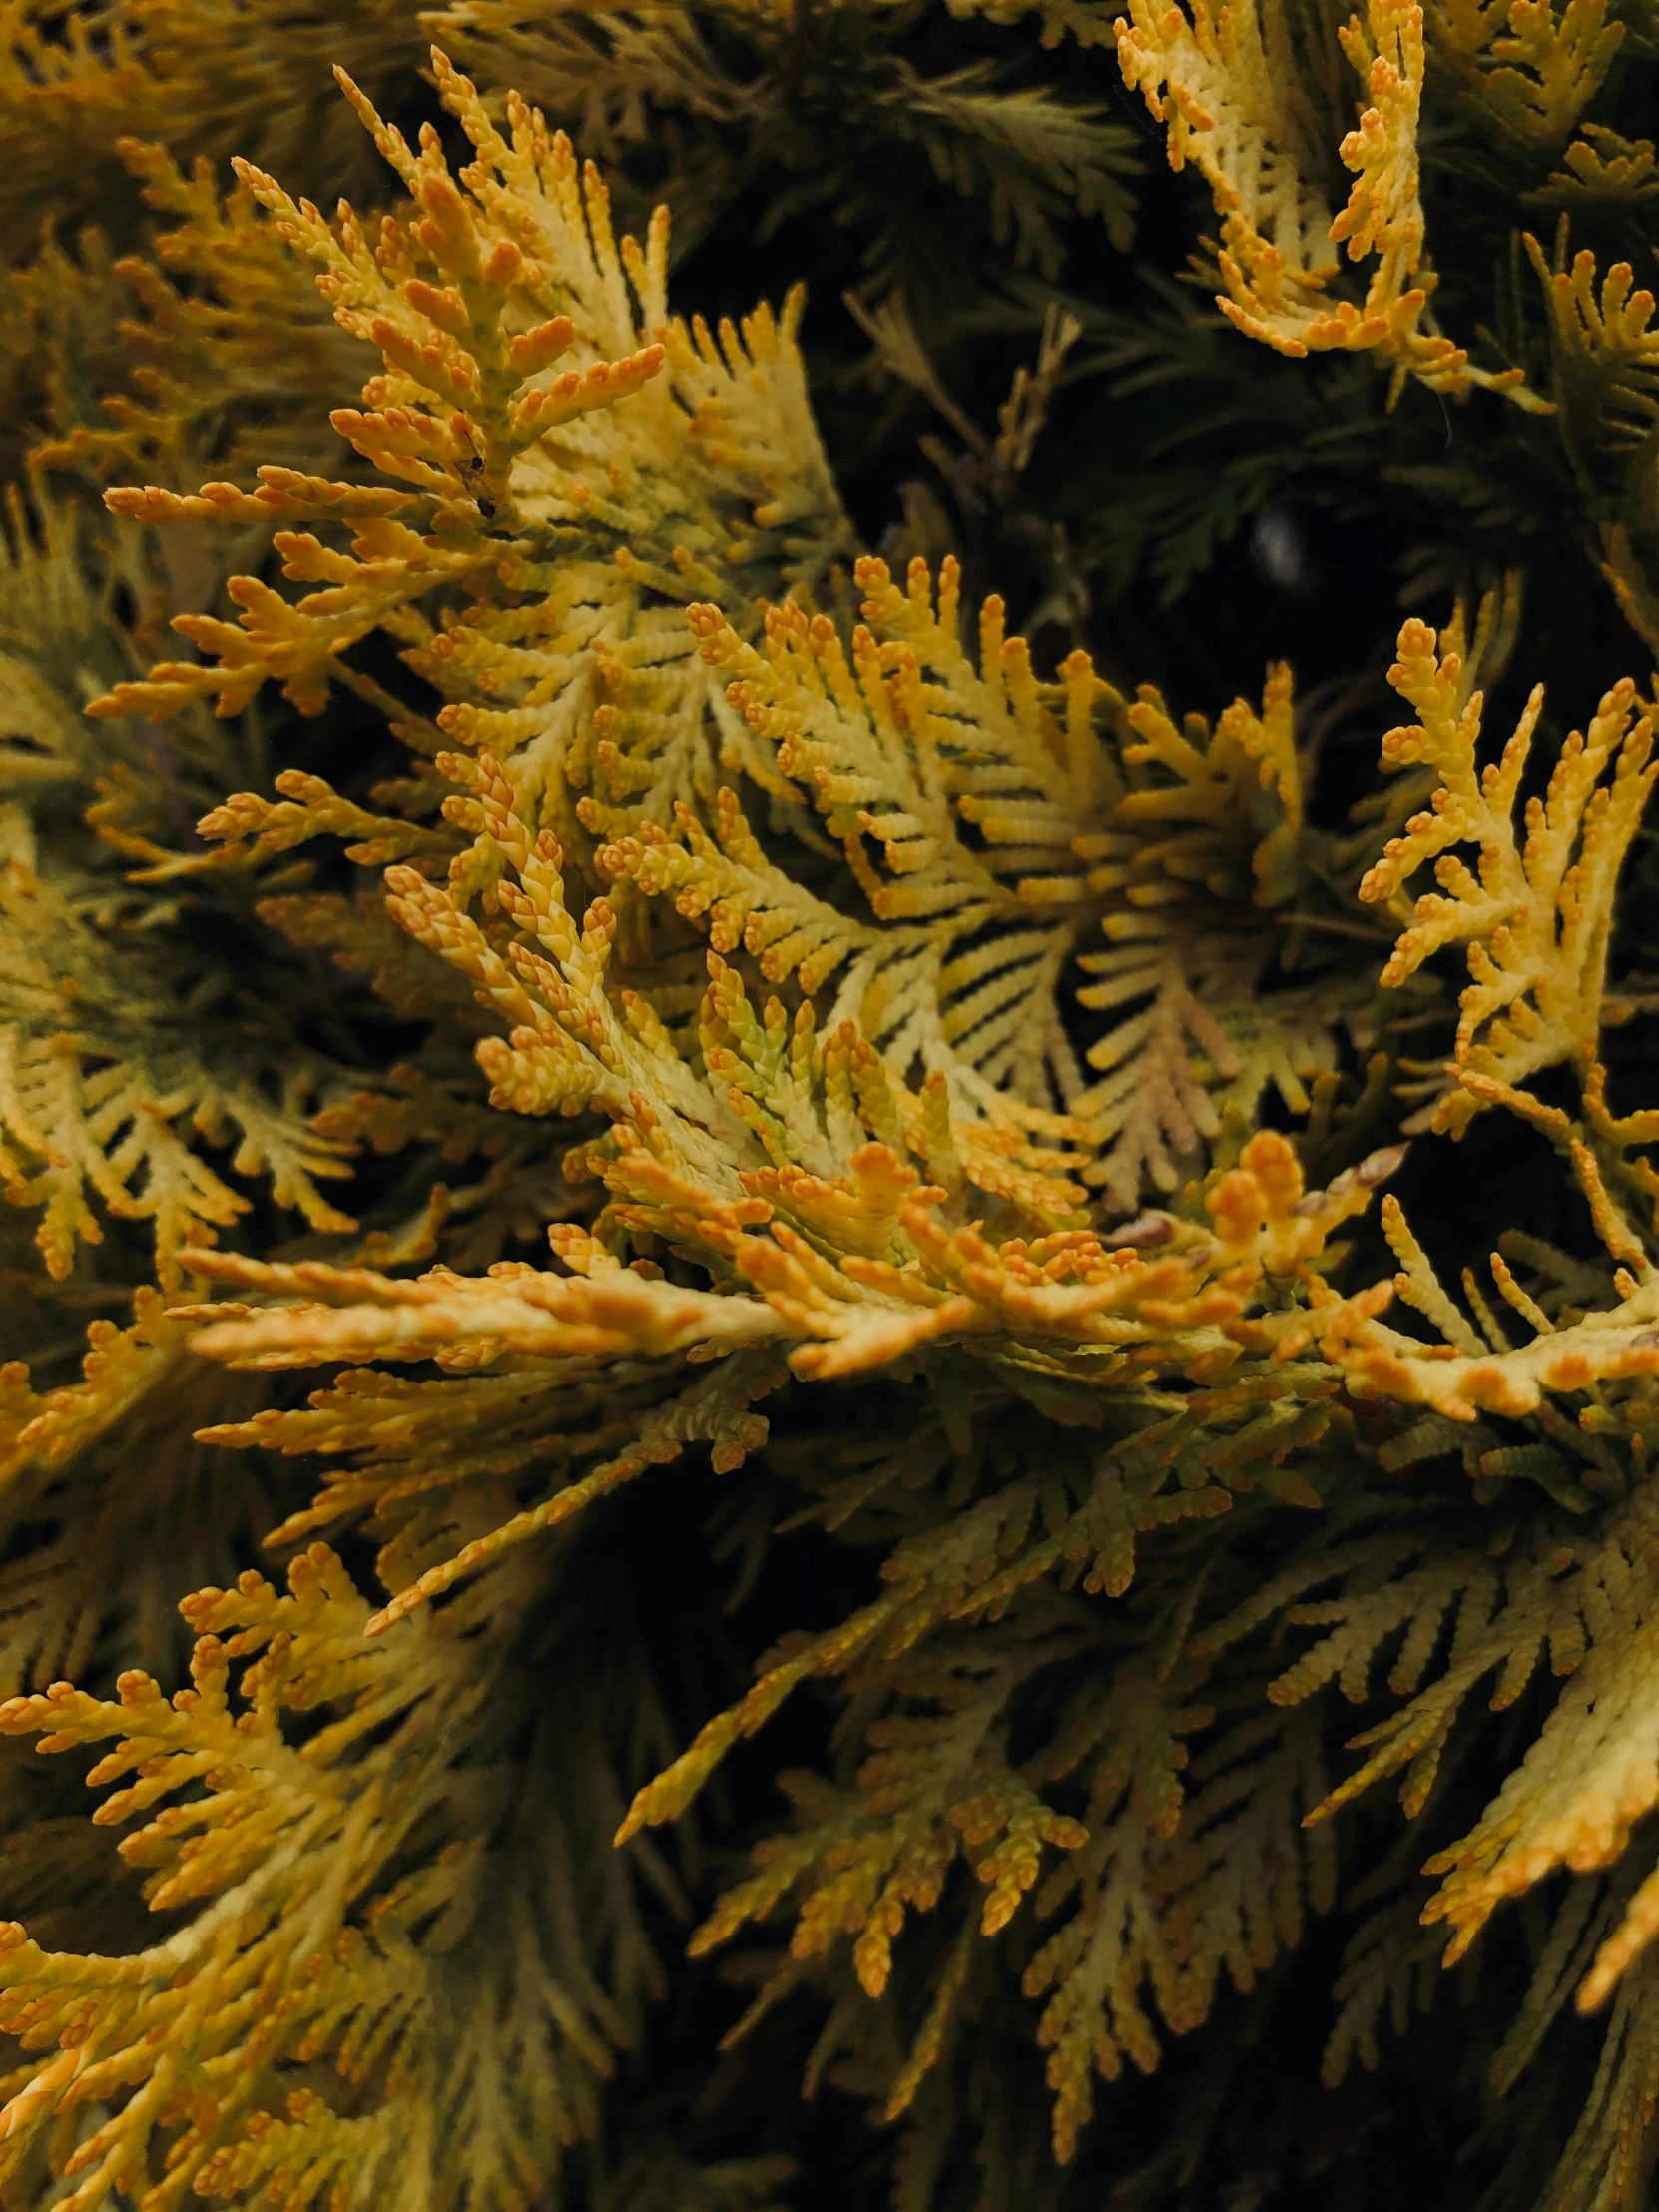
(831,1138)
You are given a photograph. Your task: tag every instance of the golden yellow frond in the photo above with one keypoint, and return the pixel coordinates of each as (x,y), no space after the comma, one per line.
(1226,85)
(1536,918)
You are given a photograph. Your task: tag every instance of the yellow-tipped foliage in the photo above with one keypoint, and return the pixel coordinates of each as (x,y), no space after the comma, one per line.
(607,1051)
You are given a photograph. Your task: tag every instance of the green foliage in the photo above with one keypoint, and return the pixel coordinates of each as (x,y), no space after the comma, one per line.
(853,114)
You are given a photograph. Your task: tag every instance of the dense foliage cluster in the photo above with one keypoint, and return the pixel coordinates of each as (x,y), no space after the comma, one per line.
(830,1136)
